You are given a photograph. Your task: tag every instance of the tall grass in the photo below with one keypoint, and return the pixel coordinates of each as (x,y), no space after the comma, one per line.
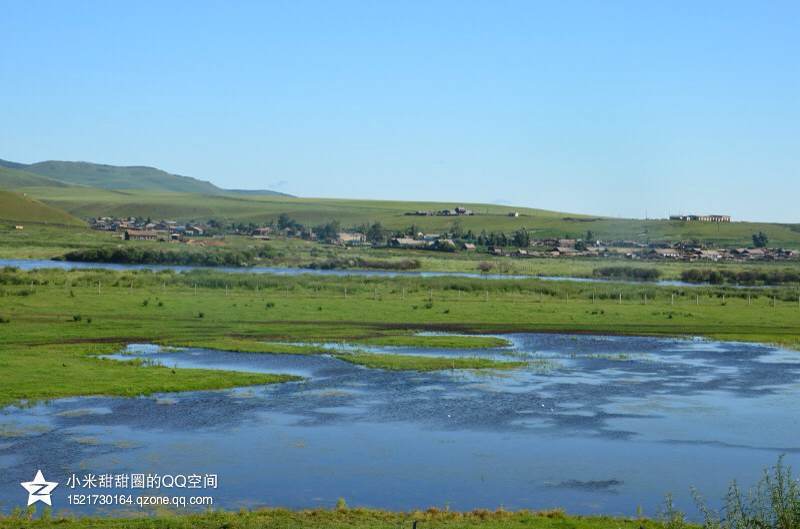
(773,503)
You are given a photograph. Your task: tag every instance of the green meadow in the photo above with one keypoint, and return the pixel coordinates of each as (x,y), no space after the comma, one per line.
(55,323)
(341,519)
(18,209)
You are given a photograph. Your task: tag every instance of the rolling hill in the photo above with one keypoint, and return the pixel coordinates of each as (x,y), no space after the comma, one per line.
(112,177)
(18,178)
(20,209)
(89,202)
(87,190)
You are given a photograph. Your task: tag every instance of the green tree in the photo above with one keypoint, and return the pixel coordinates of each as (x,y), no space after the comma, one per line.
(521,239)
(328,231)
(456,229)
(285,221)
(760,240)
(376,234)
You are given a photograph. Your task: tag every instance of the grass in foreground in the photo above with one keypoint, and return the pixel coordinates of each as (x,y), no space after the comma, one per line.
(342,519)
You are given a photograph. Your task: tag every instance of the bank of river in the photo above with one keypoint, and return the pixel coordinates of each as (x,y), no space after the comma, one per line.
(595,424)
(34,264)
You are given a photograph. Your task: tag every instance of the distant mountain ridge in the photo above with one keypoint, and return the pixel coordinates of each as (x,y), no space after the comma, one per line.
(60,173)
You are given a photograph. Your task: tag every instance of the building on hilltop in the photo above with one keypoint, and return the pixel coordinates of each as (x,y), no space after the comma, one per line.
(701,218)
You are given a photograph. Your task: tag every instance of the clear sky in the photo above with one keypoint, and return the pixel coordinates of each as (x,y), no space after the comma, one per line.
(615,108)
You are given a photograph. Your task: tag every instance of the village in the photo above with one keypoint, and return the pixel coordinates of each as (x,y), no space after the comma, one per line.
(518,245)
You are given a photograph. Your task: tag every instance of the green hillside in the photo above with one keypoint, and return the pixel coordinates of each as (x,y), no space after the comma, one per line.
(20,209)
(392,214)
(17,178)
(114,177)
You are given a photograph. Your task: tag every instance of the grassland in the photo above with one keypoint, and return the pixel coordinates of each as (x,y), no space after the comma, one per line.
(15,178)
(342,519)
(19,209)
(68,370)
(88,202)
(55,321)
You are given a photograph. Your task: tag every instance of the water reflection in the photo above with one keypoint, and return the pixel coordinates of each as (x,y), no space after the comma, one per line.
(612,423)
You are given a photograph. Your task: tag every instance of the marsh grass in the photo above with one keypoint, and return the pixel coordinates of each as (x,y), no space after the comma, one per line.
(397,362)
(47,354)
(772,503)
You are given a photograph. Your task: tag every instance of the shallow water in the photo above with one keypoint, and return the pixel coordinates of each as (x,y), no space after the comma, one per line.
(606,424)
(34,264)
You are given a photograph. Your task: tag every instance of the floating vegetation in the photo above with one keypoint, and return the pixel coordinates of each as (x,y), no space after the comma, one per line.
(89,441)
(83,412)
(8,431)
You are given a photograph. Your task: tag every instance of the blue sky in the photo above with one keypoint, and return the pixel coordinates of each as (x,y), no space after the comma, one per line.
(616,108)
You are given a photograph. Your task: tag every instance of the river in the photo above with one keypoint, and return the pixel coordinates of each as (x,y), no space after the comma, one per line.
(594,424)
(35,264)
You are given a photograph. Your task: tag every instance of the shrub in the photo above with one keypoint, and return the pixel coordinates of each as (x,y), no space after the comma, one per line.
(628,272)
(745,277)
(773,503)
(485,266)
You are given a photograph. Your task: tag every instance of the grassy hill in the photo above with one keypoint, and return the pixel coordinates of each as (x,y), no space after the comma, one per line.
(88,190)
(17,178)
(20,209)
(111,177)
(312,211)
